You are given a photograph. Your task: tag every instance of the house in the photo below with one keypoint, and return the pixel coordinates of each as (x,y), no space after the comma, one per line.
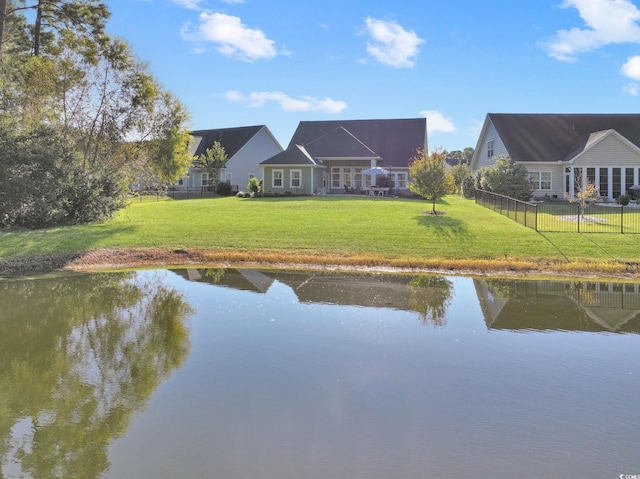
(329,157)
(564,152)
(245,147)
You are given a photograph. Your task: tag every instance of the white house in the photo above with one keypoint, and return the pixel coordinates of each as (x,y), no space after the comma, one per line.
(245,147)
(563,151)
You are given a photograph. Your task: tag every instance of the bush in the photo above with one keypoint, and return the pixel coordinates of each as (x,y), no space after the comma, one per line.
(508,178)
(469,187)
(624,200)
(223,188)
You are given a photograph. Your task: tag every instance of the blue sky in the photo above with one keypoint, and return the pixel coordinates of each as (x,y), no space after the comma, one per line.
(279,62)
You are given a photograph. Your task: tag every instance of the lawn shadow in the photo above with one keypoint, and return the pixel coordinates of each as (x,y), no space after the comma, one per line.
(444,225)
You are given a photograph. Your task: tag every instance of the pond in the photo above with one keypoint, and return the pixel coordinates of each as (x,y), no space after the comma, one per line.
(225,373)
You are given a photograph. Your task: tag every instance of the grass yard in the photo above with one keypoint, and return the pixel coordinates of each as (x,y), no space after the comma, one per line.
(363,230)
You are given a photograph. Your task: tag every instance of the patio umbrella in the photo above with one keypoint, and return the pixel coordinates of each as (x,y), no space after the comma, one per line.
(377,170)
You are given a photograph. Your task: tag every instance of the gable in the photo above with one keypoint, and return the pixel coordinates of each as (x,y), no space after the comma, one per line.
(608,147)
(231,139)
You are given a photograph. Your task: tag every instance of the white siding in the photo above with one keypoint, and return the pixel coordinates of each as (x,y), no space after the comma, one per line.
(245,162)
(498,148)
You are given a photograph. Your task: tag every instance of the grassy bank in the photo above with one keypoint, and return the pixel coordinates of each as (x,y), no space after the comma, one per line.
(343,230)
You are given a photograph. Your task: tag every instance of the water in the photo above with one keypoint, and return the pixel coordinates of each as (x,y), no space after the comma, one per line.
(263,374)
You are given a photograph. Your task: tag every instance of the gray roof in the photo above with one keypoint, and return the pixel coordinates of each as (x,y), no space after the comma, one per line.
(231,139)
(296,155)
(395,141)
(558,137)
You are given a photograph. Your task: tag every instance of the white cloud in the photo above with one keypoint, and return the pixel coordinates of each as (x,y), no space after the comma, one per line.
(233,2)
(190,4)
(437,122)
(259,99)
(391,44)
(606,21)
(234,39)
(632,89)
(631,69)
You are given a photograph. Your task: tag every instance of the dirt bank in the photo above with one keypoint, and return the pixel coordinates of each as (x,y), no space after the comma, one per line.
(113,259)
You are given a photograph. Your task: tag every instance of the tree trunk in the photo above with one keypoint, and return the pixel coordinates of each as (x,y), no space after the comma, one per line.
(37,29)
(3,15)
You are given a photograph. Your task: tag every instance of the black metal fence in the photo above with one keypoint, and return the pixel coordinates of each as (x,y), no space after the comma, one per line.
(563,216)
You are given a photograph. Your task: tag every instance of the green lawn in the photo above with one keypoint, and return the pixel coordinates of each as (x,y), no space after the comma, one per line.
(388,228)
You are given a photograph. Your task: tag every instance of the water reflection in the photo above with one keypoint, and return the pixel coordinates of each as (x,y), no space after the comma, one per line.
(78,355)
(560,305)
(506,304)
(428,295)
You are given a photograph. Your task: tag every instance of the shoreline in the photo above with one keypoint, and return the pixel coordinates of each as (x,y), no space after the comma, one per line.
(122,259)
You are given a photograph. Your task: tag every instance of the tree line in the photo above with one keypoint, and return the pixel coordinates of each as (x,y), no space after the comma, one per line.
(81,118)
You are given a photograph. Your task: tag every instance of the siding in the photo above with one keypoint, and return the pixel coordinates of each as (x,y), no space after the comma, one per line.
(498,148)
(612,152)
(246,160)
(557,178)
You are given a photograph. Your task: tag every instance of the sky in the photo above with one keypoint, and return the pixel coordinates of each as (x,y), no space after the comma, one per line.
(239,63)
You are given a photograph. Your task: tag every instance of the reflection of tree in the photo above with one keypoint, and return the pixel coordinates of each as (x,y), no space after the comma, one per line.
(431,297)
(215,275)
(78,356)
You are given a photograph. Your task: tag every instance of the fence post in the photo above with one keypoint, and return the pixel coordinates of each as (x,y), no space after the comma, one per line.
(579,214)
(621,219)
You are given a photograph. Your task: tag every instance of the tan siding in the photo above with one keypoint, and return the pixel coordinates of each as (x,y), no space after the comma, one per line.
(557,179)
(609,152)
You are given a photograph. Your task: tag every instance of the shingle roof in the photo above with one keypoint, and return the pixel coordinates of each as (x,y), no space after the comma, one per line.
(296,155)
(555,137)
(339,143)
(395,140)
(231,139)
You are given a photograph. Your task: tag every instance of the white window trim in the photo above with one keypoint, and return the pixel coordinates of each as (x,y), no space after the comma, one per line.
(490,148)
(539,180)
(273,178)
(291,178)
(206,179)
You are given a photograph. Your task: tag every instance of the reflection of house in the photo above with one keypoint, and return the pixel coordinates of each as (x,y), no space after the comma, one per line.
(554,305)
(329,156)
(563,152)
(240,279)
(376,291)
(245,147)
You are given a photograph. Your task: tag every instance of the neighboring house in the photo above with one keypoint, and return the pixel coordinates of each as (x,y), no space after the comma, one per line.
(327,157)
(245,147)
(564,151)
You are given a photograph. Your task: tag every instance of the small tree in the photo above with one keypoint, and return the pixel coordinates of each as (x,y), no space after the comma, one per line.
(586,193)
(459,173)
(254,186)
(428,176)
(508,178)
(213,161)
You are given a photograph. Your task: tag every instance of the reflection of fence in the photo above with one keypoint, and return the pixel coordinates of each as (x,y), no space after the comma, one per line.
(563,216)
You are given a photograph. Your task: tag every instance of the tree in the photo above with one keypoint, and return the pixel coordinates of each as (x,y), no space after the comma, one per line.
(109,121)
(213,161)
(585,192)
(459,173)
(508,178)
(428,176)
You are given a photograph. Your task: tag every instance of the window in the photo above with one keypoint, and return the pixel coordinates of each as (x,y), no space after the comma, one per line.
(207,179)
(604,182)
(490,145)
(227,178)
(335,178)
(540,180)
(296,178)
(277,178)
(402,180)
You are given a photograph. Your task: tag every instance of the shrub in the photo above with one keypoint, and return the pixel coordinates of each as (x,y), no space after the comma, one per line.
(508,178)
(223,188)
(469,187)
(624,199)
